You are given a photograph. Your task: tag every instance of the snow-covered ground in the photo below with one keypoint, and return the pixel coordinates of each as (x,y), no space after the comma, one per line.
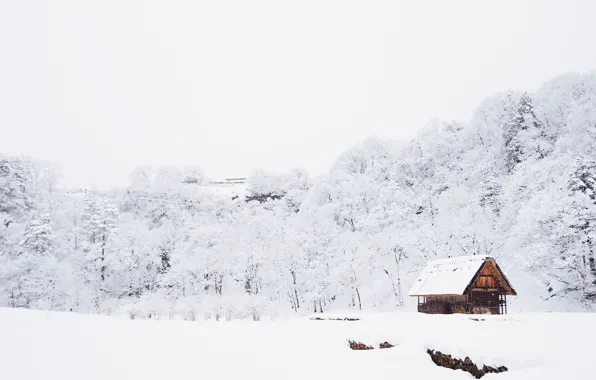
(67,346)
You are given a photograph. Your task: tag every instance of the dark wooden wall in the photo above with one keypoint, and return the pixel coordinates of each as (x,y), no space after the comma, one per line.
(486,279)
(485,291)
(489,299)
(443,305)
(477,302)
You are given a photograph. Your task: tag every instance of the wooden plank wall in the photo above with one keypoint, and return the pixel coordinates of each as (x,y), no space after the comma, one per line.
(486,278)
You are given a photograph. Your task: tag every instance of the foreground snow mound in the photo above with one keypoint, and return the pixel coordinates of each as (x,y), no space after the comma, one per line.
(62,346)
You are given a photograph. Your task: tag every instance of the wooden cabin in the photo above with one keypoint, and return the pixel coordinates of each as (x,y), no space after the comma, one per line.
(466,284)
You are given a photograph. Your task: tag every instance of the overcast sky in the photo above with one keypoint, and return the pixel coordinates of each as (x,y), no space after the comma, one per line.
(103,86)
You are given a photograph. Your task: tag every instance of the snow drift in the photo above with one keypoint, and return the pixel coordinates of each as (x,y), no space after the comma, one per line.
(68,346)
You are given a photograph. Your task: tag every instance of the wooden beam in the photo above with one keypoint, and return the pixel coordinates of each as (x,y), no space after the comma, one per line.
(473,280)
(501,278)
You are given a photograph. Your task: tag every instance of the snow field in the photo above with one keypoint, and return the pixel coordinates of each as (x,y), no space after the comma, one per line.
(66,346)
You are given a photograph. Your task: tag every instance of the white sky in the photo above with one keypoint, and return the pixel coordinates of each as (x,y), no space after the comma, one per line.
(103,86)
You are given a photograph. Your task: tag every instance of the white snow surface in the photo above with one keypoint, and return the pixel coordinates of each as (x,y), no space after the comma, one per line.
(446,276)
(67,346)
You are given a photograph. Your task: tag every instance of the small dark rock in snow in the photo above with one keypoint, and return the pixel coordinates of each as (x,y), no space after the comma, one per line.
(467,365)
(359,346)
(334,319)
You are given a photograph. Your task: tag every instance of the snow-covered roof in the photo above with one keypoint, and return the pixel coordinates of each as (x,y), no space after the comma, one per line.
(447,276)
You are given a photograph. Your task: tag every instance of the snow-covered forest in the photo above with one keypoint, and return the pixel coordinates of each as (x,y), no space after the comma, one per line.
(516,182)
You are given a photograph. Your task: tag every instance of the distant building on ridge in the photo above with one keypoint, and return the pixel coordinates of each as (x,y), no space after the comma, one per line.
(230,181)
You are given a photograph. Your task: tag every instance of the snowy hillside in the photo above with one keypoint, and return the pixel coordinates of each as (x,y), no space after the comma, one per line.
(516,182)
(63,346)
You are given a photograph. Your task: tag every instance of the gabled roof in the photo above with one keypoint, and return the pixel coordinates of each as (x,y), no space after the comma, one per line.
(447,276)
(454,275)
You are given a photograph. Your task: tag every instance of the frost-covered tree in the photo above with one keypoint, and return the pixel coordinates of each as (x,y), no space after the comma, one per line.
(98,222)
(16,193)
(33,277)
(45,175)
(582,184)
(525,135)
(490,193)
(39,237)
(583,178)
